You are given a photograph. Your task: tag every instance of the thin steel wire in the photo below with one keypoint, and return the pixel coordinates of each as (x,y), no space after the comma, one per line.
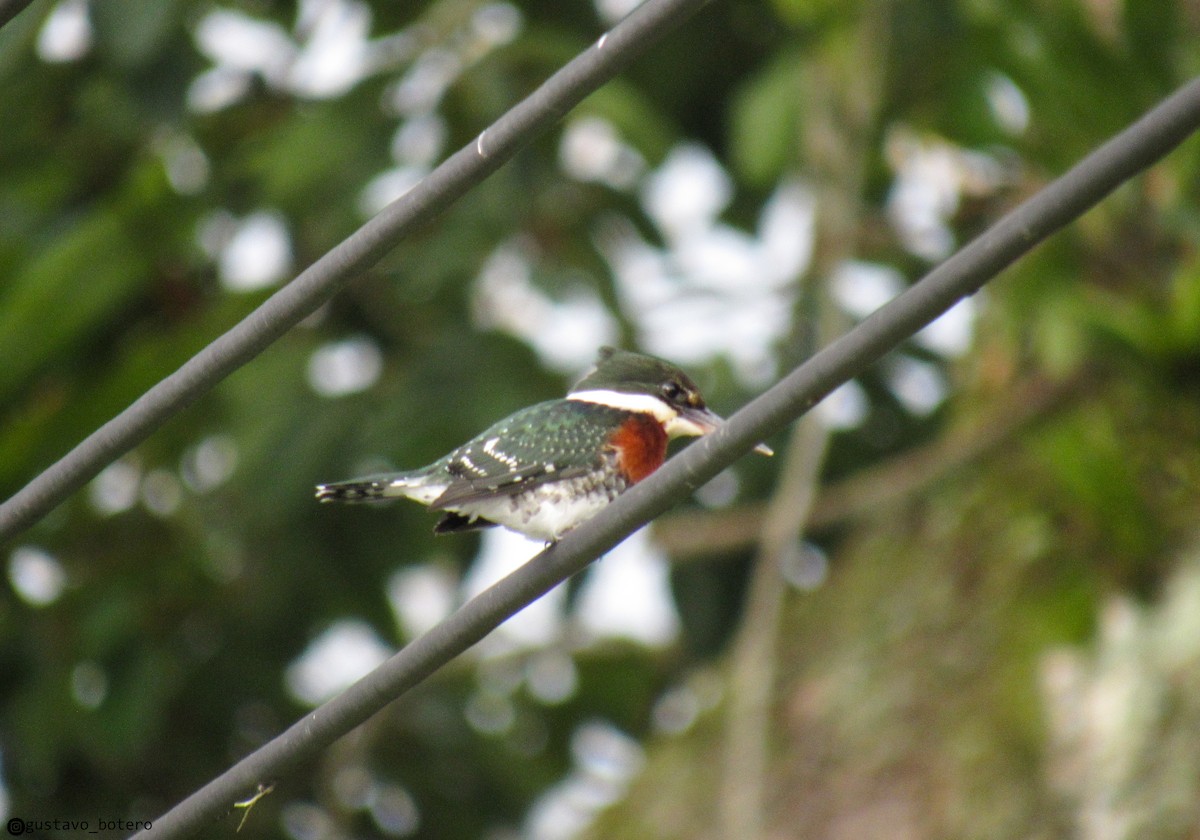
(301,297)
(9,9)
(1064,200)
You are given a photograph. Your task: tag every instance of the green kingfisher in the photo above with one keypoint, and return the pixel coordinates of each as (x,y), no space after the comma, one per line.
(548,467)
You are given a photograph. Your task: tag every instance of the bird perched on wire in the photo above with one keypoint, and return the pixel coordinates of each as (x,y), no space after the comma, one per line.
(548,467)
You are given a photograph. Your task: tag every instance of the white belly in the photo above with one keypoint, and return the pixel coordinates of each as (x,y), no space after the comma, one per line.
(546,512)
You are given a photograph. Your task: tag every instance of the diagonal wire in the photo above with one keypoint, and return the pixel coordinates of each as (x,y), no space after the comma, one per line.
(841,108)
(287,307)
(1068,197)
(9,9)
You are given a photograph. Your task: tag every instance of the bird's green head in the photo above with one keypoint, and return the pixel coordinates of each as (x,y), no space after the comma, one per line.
(636,373)
(646,384)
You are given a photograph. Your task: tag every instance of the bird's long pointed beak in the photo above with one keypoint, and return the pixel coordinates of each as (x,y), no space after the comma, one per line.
(695,422)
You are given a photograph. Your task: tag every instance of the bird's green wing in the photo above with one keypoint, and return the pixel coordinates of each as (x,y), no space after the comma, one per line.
(550,441)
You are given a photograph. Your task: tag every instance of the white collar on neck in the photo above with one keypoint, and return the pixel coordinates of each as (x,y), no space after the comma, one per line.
(641,403)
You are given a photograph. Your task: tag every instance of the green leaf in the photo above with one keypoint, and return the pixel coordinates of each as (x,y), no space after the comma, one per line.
(134,30)
(765,121)
(1184,314)
(64,296)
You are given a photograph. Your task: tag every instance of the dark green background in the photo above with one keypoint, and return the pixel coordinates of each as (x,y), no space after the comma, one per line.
(913,688)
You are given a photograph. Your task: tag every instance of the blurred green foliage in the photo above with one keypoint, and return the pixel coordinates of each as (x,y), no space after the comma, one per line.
(164,656)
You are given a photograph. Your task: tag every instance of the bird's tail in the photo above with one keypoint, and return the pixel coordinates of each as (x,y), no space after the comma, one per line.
(352,491)
(375,488)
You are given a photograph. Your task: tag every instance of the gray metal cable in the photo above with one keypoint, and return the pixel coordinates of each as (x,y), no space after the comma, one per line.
(9,9)
(1064,200)
(291,304)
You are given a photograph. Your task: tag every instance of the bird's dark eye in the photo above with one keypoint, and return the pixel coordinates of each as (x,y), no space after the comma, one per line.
(673,391)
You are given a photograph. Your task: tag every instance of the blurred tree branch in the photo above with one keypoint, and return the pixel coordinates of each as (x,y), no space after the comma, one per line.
(832,148)
(696,534)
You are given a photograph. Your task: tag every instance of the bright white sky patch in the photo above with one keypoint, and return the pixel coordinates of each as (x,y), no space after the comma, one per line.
(603,751)
(185,163)
(676,710)
(804,565)
(422,87)
(564,332)
(239,42)
(428,77)
(421,596)
(536,626)
(720,257)
(591,150)
(681,706)
(302,820)
(388,186)
(420,140)
(688,191)
(67,33)
(36,575)
(721,491)
(326,53)
(714,289)
(918,385)
(924,194)
(394,810)
(252,253)
(217,88)
(210,463)
(952,332)
(115,489)
(347,651)
(496,24)
(1009,106)
(611,11)
(333,58)
(564,810)
(932,176)
(862,287)
(786,231)
(551,676)
(845,408)
(605,760)
(627,594)
(345,367)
